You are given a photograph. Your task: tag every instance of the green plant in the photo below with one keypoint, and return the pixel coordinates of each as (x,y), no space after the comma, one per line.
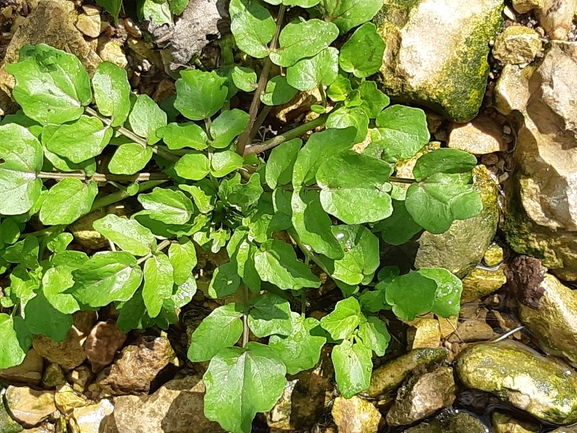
(158,11)
(311,209)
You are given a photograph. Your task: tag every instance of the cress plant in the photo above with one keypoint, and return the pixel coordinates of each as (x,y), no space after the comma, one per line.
(200,184)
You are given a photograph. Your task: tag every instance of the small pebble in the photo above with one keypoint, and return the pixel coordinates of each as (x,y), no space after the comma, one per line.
(503,178)
(131,28)
(507,129)
(510,13)
(489,159)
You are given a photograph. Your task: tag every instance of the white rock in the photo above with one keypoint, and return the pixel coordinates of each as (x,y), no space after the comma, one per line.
(479,137)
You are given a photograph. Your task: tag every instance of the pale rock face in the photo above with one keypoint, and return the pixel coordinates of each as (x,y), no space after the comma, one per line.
(524,6)
(479,137)
(556,16)
(517,45)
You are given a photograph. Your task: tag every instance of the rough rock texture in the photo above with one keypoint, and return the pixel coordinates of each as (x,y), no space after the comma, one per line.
(355,415)
(437,52)
(504,423)
(482,282)
(450,422)
(517,45)
(29,372)
(479,137)
(521,376)
(28,406)
(7,424)
(67,400)
(556,17)
(88,419)
(424,332)
(524,6)
(102,343)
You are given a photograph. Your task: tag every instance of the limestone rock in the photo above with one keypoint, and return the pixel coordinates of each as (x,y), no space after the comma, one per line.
(88,419)
(29,372)
(90,25)
(482,282)
(111,51)
(355,415)
(517,45)
(479,137)
(424,332)
(556,17)
(524,6)
(28,406)
(512,89)
(437,52)
(451,422)
(53,376)
(472,330)
(494,255)
(102,343)
(504,423)
(67,400)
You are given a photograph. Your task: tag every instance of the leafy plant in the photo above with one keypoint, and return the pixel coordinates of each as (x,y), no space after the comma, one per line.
(321,208)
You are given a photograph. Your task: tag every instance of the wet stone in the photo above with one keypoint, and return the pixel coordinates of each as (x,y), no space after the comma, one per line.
(28,406)
(451,422)
(504,423)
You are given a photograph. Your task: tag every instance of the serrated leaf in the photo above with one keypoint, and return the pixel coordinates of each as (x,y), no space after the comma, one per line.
(374,335)
(158,282)
(400,227)
(112,7)
(42,318)
(180,135)
(343,320)
(277,91)
(112,91)
(129,235)
(20,162)
(193,166)
(345,117)
(55,283)
(225,281)
(353,367)
(167,206)
(15,342)
(219,330)
(227,126)
(362,54)
(199,94)
(51,86)
(308,73)
(146,118)
(280,163)
(67,201)
(253,27)
(347,14)
(270,314)
(240,383)
(373,101)
(182,255)
(449,289)
(410,295)
(223,163)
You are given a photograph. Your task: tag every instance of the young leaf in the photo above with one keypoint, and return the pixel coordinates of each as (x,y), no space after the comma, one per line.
(238,77)
(301,39)
(23,285)
(279,166)
(350,116)
(219,330)
(410,295)
(225,281)
(362,54)
(130,158)
(340,89)
(146,117)
(55,283)
(203,194)
(182,255)
(373,101)
(241,196)
(344,319)
(51,86)
(193,166)
(15,342)
(112,7)
(449,289)
(129,235)
(322,69)
(42,318)
(253,27)
(223,163)
(347,14)
(374,335)
(277,91)
(270,314)
(112,92)
(300,350)
(227,126)
(20,162)
(241,253)
(353,367)
(399,227)
(158,282)
(277,263)
(180,135)
(168,206)
(240,383)
(24,252)
(199,94)
(67,201)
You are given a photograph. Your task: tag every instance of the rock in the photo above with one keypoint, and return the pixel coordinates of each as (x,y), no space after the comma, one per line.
(89,418)
(540,218)
(556,17)
(90,25)
(437,51)
(163,411)
(451,422)
(424,332)
(28,406)
(570,429)
(53,376)
(522,377)
(512,89)
(29,372)
(494,255)
(355,415)
(524,6)
(7,424)
(479,137)
(482,282)
(111,51)
(472,330)
(503,423)
(79,377)
(67,400)
(102,343)
(389,376)
(517,45)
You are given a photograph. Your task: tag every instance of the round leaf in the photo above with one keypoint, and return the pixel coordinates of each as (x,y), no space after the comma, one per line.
(410,295)
(449,289)
(193,166)
(277,91)
(67,201)
(322,69)
(353,367)
(15,342)
(223,163)
(129,235)
(362,54)
(253,27)
(347,14)
(180,135)
(130,158)
(112,92)
(199,94)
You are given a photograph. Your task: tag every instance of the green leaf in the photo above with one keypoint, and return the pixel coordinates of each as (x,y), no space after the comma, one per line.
(410,295)
(130,158)
(129,235)
(301,3)
(107,277)
(193,166)
(354,116)
(51,86)
(241,253)
(9,231)
(362,54)
(146,117)
(270,314)
(199,94)
(77,141)
(308,73)
(177,6)
(24,252)
(156,12)
(168,206)
(400,227)
(227,126)
(15,342)
(355,188)
(402,131)
(69,258)
(225,281)
(343,320)
(253,27)
(301,349)
(180,135)
(42,318)
(347,14)
(67,201)
(21,119)
(112,7)
(450,161)
(221,329)
(449,289)
(23,284)
(240,383)
(373,101)
(182,255)
(184,292)
(132,313)
(301,39)
(353,367)
(203,194)
(158,282)
(277,91)
(340,89)
(280,163)
(238,77)
(64,164)
(223,163)
(55,284)
(20,162)
(112,92)
(374,335)
(277,263)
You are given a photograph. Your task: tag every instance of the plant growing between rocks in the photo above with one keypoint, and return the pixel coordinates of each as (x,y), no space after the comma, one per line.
(302,212)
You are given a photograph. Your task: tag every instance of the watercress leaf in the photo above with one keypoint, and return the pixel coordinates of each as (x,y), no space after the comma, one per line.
(23,285)
(70,258)
(362,54)
(106,277)
(58,242)
(241,253)
(42,318)
(301,3)
(180,135)
(203,194)
(199,94)
(308,73)
(347,14)
(177,6)
(243,78)
(129,235)
(227,126)
(130,158)
(402,131)
(340,89)
(20,162)
(112,7)
(167,206)
(15,342)
(277,263)
(355,117)
(344,319)
(375,335)
(51,86)
(449,289)
(9,231)
(279,166)
(349,177)
(353,367)
(24,252)
(223,163)
(301,349)
(240,383)
(78,140)
(399,227)
(410,295)
(112,92)
(373,101)
(269,314)
(22,119)
(157,12)
(301,39)
(277,91)
(67,201)
(193,166)
(64,164)
(219,330)
(443,161)
(55,283)
(131,313)
(241,196)
(225,281)
(373,301)
(184,292)
(146,117)
(158,282)
(182,255)
(253,27)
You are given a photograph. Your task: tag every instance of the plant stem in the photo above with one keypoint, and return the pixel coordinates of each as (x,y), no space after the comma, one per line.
(307,252)
(245,328)
(98,177)
(121,195)
(395,179)
(160,247)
